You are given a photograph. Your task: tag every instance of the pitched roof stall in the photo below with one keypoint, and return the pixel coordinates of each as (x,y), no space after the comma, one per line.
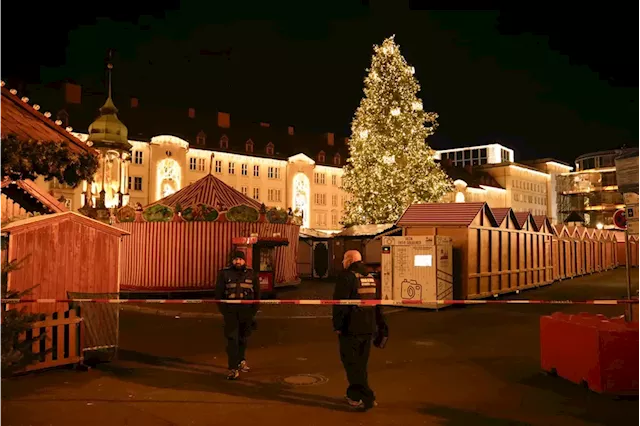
(23,120)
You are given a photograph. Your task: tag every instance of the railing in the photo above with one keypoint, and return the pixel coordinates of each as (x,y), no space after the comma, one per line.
(61,345)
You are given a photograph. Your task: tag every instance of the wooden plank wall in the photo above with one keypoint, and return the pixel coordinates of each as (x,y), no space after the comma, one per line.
(506,260)
(170,256)
(60,257)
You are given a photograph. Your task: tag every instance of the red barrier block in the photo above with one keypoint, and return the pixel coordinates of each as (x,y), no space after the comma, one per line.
(591,348)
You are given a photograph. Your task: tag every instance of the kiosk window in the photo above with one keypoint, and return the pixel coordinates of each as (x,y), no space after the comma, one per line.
(422,260)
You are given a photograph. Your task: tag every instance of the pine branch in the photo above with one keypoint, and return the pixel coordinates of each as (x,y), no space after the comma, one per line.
(52,160)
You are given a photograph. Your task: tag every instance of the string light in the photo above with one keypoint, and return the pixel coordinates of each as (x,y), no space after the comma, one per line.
(13,91)
(59,122)
(69,129)
(2,83)
(47,114)
(25,99)
(36,107)
(390,166)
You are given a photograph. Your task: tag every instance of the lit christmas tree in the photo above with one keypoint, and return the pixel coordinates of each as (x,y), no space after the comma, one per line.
(390,165)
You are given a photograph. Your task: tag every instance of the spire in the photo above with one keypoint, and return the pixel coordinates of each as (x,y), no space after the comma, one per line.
(107,130)
(109,107)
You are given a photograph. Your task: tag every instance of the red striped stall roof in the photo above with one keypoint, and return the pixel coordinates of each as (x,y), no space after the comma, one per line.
(210,191)
(443,214)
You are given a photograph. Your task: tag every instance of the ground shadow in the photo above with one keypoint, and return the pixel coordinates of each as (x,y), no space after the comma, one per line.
(582,403)
(167,376)
(450,416)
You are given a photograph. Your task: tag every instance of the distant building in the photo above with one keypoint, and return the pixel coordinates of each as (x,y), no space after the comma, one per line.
(591,191)
(168,150)
(489,173)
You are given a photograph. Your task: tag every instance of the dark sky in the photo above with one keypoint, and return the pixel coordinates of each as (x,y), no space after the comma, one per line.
(549,83)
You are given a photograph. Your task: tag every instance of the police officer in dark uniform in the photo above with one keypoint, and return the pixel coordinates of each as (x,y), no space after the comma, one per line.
(356,326)
(237,282)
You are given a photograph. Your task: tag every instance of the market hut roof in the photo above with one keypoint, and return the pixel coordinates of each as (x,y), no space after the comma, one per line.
(26,123)
(31,197)
(210,191)
(457,214)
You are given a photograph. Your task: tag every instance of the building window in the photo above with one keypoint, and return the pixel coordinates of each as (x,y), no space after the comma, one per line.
(334,219)
(334,200)
(201,139)
(321,157)
(274,195)
(137,157)
(483,155)
(321,218)
(273,172)
(321,199)
(248,146)
(336,159)
(319,178)
(256,193)
(256,171)
(244,190)
(244,170)
(224,142)
(218,166)
(334,180)
(137,183)
(270,149)
(201,164)
(192,163)
(232,168)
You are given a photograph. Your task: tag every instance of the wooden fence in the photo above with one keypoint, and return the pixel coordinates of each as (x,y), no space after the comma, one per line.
(62,343)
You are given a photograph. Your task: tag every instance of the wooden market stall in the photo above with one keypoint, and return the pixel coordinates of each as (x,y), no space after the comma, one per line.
(314,254)
(618,239)
(565,252)
(490,258)
(63,253)
(181,242)
(363,238)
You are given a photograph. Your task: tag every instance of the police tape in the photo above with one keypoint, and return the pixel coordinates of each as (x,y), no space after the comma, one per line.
(331,302)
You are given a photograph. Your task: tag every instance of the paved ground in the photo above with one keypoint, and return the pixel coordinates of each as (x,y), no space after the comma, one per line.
(474,365)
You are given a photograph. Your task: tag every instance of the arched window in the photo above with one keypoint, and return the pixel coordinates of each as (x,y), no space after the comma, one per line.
(321,157)
(270,148)
(224,142)
(336,159)
(248,146)
(201,139)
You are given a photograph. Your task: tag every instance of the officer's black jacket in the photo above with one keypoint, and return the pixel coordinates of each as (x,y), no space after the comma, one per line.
(231,275)
(351,319)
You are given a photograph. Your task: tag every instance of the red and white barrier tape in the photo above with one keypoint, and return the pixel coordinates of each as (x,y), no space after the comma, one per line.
(331,302)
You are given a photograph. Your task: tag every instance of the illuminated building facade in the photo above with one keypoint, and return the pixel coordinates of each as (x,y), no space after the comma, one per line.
(591,191)
(488,173)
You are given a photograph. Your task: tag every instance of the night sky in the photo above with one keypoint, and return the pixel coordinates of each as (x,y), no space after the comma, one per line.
(547,83)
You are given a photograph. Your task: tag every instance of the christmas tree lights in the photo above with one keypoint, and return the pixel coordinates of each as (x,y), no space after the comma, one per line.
(390,165)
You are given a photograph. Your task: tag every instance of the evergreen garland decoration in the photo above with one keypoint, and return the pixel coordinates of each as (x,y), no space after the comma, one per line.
(29,159)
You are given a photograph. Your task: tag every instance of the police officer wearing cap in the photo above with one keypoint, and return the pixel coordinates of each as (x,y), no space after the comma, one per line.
(356,327)
(237,282)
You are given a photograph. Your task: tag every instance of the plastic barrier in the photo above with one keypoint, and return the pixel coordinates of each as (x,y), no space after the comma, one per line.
(591,349)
